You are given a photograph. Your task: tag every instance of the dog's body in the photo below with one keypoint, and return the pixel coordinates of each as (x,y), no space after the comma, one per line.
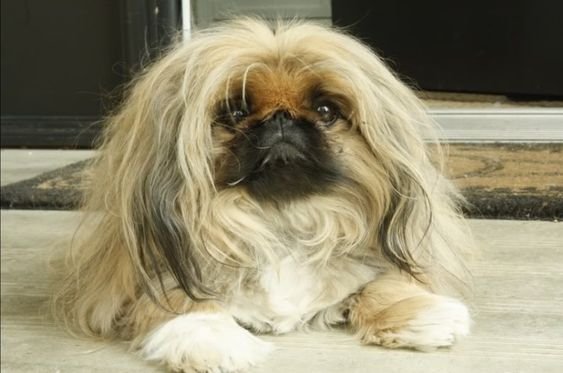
(266,180)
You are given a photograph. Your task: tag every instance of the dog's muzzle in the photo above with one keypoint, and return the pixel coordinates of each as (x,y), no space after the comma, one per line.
(282,158)
(282,138)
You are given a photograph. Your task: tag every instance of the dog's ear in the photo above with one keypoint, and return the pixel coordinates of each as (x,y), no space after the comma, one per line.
(393,122)
(408,212)
(419,229)
(157,151)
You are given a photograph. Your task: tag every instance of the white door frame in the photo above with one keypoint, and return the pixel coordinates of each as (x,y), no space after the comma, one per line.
(186,15)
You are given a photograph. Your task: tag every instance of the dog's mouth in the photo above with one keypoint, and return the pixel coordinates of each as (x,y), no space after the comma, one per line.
(281,158)
(287,174)
(280,155)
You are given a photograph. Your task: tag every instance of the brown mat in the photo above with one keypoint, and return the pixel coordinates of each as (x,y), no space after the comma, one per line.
(518,181)
(515,181)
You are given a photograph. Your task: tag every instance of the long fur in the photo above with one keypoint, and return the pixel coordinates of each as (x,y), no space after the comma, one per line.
(158,230)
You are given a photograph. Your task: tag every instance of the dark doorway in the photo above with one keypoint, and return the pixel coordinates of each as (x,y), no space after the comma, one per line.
(502,47)
(63,62)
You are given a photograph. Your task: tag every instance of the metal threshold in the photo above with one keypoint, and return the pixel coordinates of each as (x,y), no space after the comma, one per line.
(536,125)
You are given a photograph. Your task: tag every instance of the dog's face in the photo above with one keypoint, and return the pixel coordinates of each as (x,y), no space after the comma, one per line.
(280,133)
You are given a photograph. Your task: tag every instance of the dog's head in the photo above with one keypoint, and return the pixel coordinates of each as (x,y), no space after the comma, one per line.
(280,136)
(294,110)
(271,116)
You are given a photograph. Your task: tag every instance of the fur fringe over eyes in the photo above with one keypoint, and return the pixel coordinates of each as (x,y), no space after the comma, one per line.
(155,218)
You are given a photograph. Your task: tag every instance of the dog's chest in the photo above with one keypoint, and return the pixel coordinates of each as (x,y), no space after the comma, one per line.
(288,295)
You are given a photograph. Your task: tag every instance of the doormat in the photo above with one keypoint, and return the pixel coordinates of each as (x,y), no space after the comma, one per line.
(500,181)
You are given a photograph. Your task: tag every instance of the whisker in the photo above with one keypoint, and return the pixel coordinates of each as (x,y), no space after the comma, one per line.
(237,181)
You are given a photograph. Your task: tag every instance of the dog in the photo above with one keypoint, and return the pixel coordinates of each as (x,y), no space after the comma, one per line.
(265,178)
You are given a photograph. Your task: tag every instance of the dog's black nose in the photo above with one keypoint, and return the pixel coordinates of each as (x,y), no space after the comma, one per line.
(281,127)
(276,127)
(280,119)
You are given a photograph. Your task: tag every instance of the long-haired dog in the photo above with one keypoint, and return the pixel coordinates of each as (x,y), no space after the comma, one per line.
(266,179)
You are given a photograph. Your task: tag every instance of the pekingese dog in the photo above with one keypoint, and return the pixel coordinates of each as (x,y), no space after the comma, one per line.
(264,179)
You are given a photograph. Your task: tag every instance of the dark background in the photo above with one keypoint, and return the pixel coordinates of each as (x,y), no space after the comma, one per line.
(503,47)
(63,61)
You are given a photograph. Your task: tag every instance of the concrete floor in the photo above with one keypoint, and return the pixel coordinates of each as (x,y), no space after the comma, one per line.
(518,311)
(19,165)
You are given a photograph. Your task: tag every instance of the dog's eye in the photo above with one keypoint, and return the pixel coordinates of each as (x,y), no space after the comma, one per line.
(327,113)
(238,115)
(232,113)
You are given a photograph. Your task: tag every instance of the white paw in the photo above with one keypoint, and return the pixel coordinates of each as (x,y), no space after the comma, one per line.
(440,325)
(204,342)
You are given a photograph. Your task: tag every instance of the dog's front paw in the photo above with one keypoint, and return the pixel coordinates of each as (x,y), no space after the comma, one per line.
(440,323)
(203,342)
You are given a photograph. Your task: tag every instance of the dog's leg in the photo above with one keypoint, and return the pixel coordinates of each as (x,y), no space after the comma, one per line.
(200,337)
(394,312)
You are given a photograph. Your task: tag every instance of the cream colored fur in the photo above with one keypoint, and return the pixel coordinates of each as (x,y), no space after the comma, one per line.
(272,268)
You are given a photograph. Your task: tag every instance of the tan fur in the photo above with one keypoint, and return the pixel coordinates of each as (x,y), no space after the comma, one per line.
(162,157)
(385,306)
(394,310)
